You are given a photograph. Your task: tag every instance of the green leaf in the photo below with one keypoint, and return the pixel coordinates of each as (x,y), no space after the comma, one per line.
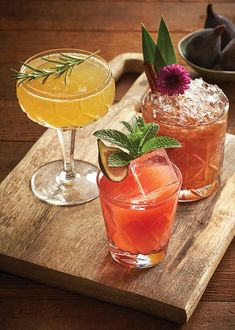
(136,138)
(118,159)
(151,130)
(165,45)
(150,145)
(148,46)
(138,127)
(151,52)
(138,123)
(116,137)
(159,142)
(168,142)
(128,126)
(142,140)
(159,60)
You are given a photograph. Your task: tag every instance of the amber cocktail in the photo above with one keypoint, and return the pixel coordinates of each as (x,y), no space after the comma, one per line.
(69,101)
(198,119)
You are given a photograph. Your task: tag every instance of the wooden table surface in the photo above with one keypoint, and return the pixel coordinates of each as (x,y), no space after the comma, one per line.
(28,27)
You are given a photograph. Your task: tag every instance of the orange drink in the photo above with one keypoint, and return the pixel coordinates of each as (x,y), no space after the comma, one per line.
(139,211)
(198,120)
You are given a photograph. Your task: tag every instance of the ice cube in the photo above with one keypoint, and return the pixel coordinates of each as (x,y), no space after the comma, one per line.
(149,178)
(200,104)
(152,172)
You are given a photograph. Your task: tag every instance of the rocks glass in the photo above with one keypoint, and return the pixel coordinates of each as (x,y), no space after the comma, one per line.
(198,119)
(139,211)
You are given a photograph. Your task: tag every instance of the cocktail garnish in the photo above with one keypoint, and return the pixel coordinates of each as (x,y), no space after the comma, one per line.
(172,79)
(158,60)
(116,174)
(63,66)
(140,139)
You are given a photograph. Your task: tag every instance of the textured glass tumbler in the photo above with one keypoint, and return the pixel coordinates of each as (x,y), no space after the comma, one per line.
(201,156)
(139,232)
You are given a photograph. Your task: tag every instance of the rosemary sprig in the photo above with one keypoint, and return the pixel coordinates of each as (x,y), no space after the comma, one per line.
(63,66)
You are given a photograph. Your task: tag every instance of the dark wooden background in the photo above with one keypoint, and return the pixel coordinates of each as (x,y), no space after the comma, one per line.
(28,27)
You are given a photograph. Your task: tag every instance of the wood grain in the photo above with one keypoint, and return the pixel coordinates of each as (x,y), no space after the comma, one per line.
(57,245)
(33,306)
(73,310)
(55,18)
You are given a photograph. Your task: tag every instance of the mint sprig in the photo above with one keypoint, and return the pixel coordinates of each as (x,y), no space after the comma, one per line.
(119,158)
(118,138)
(160,142)
(140,139)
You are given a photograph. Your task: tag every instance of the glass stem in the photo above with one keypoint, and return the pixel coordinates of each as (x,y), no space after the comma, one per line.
(67,143)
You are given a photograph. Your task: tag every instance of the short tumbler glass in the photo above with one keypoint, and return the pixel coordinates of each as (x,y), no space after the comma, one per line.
(139,232)
(201,156)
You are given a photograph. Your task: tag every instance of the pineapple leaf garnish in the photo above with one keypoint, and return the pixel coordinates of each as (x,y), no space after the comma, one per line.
(63,66)
(160,53)
(141,138)
(165,44)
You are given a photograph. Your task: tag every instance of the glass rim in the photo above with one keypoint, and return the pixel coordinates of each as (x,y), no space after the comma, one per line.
(150,205)
(79,95)
(225,111)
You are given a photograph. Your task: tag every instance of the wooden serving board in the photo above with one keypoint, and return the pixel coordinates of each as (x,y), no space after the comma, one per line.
(67,247)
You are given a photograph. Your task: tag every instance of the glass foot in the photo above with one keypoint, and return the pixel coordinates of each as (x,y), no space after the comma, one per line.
(192,195)
(137,261)
(50,184)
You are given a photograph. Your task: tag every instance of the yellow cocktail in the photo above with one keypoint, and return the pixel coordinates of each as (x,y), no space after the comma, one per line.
(79,96)
(85,97)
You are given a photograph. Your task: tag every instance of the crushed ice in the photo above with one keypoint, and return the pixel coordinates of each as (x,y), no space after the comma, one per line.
(200,104)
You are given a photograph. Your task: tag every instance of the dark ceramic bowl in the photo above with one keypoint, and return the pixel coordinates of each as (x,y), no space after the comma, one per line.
(208,74)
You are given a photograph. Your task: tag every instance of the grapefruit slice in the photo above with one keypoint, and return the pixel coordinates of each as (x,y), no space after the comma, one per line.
(115,174)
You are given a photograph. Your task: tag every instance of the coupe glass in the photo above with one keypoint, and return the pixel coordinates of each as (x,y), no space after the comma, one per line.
(85,97)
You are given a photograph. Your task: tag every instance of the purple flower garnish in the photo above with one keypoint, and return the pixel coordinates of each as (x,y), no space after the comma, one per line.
(172,79)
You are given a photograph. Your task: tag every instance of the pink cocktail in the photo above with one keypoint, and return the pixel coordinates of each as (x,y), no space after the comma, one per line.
(139,211)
